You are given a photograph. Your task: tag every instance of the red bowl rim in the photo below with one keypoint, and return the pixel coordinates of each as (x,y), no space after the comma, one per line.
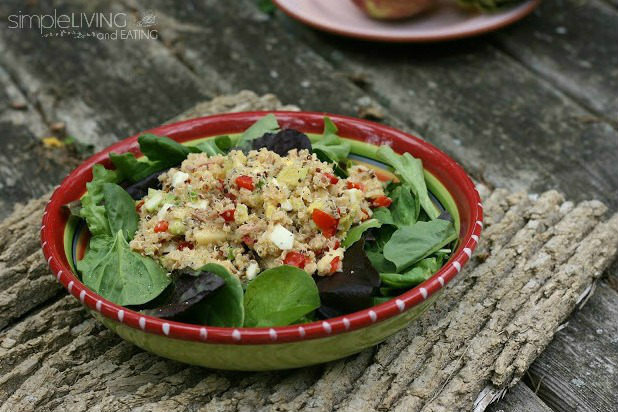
(438,163)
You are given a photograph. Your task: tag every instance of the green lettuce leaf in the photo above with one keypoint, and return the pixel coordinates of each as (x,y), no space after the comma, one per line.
(120,209)
(280,296)
(114,271)
(331,148)
(356,232)
(419,273)
(266,124)
(225,306)
(92,209)
(410,171)
(409,244)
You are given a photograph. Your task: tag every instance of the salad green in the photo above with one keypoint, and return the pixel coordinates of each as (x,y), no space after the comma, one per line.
(406,240)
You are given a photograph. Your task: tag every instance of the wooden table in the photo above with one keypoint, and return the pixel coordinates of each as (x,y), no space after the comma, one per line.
(534,106)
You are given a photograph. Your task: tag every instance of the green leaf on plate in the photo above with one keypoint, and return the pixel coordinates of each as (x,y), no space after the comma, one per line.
(225,306)
(280,296)
(92,208)
(355,233)
(120,209)
(114,271)
(264,125)
(410,171)
(409,244)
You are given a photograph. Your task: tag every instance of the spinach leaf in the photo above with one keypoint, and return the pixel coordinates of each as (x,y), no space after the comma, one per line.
(92,209)
(120,209)
(133,170)
(280,296)
(409,244)
(377,259)
(410,171)
(190,287)
(356,232)
(383,215)
(419,273)
(163,150)
(405,208)
(215,146)
(331,148)
(282,142)
(351,289)
(114,271)
(225,306)
(265,125)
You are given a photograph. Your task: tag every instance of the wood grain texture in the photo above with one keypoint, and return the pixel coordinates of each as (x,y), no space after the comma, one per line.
(58,359)
(578,370)
(574,45)
(520,399)
(527,127)
(102,90)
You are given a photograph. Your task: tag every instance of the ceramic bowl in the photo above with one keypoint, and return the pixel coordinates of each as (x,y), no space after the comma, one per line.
(279,347)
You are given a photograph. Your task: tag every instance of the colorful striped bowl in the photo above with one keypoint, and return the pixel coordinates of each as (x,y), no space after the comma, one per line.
(279,347)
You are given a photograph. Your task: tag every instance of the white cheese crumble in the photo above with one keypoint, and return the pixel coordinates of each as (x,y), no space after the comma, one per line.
(282,238)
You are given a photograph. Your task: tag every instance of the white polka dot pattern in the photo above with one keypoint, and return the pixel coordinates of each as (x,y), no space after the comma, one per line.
(236,335)
(424,293)
(373,316)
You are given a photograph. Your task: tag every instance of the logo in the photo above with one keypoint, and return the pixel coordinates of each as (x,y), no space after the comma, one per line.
(97,25)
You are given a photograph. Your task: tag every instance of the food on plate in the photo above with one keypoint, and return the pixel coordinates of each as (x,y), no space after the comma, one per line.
(487,5)
(267,228)
(393,9)
(401,9)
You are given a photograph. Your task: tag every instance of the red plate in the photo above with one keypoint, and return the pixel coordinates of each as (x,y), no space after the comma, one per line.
(445,22)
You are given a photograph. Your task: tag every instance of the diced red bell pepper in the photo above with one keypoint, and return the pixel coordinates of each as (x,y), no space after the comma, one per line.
(382,201)
(355,185)
(245,182)
(337,244)
(335,264)
(161,226)
(296,259)
(138,206)
(185,244)
(228,215)
(332,178)
(327,223)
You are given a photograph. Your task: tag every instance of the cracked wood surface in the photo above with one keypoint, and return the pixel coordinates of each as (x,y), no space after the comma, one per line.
(530,107)
(536,257)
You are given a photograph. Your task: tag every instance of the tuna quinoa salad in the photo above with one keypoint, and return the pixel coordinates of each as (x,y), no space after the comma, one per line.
(270,227)
(254,212)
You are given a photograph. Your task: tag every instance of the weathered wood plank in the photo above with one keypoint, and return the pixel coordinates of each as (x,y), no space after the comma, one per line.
(255,54)
(27,169)
(578,371)
(102,89)
(501,121)
(574,45)
(72,364)
(520,398)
